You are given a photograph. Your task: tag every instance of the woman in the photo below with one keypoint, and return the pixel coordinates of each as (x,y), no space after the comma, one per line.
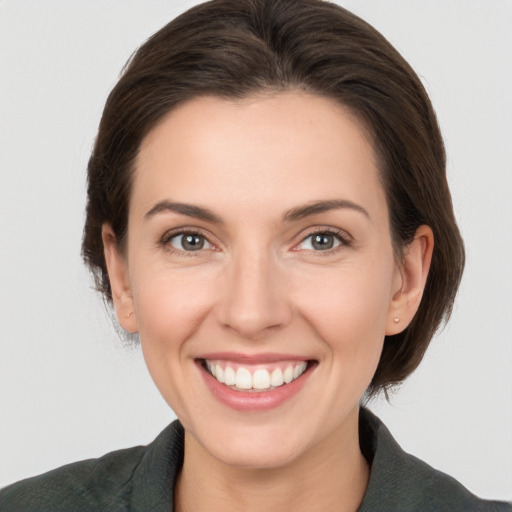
(265,316)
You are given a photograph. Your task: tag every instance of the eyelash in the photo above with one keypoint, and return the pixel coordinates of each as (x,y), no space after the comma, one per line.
(169,236)
(340,236)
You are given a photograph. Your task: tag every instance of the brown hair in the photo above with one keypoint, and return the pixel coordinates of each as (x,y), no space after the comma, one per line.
(236,48)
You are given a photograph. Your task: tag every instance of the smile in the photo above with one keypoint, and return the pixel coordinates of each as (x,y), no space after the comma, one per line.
(244,377)
(255,383)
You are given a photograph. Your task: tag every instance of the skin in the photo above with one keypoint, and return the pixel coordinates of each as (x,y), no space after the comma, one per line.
(258,285)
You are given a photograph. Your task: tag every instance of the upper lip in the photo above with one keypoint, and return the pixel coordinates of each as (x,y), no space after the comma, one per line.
(266,357)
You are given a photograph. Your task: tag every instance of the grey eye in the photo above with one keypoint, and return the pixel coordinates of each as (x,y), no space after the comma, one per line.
(320,242)
(189,242)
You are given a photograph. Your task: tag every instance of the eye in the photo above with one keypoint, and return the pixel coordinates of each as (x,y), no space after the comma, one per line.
(189,242)
(322,241)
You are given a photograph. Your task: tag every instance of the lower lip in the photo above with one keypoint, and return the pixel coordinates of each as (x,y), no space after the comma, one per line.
(257,400)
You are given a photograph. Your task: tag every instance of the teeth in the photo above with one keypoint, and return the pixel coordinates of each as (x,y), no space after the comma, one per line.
(276,379)
(229,376)
(243,379)
(288,374)
(219,373)
(259,379)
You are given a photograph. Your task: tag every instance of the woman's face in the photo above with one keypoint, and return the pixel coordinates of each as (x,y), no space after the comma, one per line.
(259,250)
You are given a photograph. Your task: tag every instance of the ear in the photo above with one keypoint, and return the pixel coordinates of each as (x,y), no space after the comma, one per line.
(412,277)
(117,268)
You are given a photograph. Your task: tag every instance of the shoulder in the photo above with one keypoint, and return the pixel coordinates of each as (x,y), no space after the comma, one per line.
(114,482)
(402,482)
(86,483)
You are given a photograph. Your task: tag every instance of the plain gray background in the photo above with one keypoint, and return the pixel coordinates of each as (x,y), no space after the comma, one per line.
(68,388)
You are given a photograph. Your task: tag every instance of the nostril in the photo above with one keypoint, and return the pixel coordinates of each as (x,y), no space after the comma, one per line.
(253,302)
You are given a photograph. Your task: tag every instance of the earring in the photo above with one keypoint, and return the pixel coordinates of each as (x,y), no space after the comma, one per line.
(396,319)
(129,315)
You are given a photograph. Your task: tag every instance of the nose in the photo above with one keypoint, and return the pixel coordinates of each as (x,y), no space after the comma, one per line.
(254,299)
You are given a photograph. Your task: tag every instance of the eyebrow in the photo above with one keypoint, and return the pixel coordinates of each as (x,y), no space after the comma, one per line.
(184,209)
(320,207)
(294,214)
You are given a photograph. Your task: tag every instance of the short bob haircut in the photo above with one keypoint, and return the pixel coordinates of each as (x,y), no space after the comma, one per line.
(238,48)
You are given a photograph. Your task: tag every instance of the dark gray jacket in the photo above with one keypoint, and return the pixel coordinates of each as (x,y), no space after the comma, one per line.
(142,479)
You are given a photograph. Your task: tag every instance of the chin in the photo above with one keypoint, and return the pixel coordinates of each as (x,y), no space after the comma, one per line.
(272,456)
(252,447)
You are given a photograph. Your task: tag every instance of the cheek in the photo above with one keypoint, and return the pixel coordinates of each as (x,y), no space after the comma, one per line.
(348,308)
(170,306)
(170,309)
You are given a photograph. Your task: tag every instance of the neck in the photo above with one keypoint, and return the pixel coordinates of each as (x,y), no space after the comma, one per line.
(331,476)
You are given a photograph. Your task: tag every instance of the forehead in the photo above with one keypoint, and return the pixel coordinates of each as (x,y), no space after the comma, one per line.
(285,148)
